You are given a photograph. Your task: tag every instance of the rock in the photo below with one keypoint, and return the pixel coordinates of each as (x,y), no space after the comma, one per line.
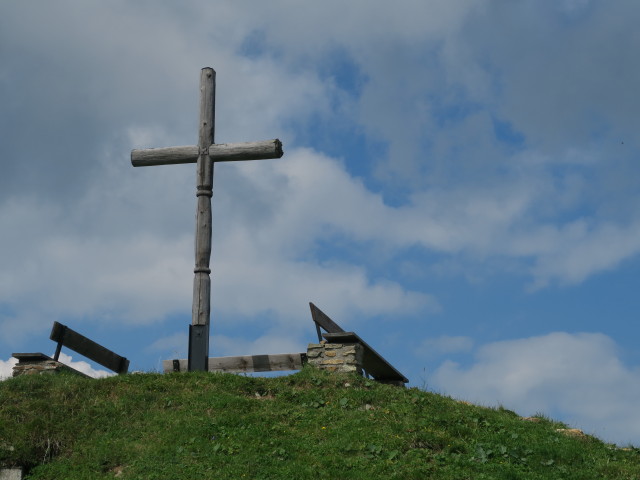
(572,432)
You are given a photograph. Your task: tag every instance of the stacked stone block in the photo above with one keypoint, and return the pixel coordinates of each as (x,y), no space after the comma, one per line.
(38,363)
(336,357)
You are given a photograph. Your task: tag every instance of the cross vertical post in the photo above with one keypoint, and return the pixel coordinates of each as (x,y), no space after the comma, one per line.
(201,307)
(205,154)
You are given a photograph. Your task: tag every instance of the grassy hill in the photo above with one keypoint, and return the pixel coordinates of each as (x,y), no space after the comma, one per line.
(310,425)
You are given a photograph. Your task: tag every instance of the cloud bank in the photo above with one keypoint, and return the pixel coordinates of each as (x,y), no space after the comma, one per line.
(579,377)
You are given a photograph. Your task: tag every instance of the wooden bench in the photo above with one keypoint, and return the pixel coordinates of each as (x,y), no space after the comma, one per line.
(373,363)
(69,338)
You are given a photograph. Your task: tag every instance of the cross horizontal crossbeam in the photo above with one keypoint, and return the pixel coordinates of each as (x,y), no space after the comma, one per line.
(218,152)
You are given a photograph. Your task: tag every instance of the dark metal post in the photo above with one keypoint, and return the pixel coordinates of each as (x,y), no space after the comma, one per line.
(198,348)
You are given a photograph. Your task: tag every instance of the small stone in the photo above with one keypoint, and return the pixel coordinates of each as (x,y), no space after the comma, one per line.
(117,471)
(6,446)
(10,473)
(572,432)
(333,361)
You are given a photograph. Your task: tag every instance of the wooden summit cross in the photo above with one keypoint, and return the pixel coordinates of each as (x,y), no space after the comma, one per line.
(204,154)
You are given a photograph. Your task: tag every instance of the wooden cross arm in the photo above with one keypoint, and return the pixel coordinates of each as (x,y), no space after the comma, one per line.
(218,152)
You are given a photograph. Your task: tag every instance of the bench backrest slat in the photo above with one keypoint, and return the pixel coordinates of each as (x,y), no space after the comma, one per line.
(322,320)
(90,349)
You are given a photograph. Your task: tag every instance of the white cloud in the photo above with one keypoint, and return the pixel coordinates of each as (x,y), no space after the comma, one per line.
(487,155)
(267,254)
(477,198)
(91,237)
(269,218)
(176,344)
(84,367)
(123,277)
(443,345)
(576,376)
(6,368)
(580,251)
(134,264)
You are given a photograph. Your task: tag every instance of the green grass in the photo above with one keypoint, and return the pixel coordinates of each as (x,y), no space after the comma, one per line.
(310,425)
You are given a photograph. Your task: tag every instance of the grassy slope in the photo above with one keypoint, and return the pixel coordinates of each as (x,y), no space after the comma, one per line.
(308,425)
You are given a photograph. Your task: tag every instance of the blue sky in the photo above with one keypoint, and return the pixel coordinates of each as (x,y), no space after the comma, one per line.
(460,186)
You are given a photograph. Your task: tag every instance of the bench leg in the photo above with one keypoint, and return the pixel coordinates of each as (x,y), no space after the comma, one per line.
(58,349)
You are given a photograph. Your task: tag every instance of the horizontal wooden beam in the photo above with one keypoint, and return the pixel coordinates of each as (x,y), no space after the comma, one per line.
(164,156)
(228,152)
(244,364)
(218,152)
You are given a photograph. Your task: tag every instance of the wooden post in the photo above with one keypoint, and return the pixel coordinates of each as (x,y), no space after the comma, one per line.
(205,154)
(201,306)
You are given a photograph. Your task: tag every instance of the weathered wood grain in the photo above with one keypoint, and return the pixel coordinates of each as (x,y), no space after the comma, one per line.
(230,152)
(164,156)
(218,152)
(201,306)
(244,364)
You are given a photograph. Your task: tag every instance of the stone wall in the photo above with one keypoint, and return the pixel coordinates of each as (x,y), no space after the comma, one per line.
(38,363)
(10,474)
(336,357)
